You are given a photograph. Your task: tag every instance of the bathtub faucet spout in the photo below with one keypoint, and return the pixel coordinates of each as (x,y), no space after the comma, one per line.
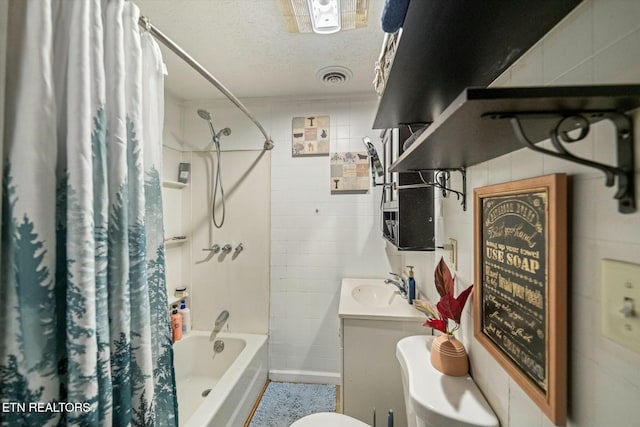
(220,321)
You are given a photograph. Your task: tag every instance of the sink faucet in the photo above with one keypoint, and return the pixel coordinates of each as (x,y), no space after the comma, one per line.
(401,285)
(217,327)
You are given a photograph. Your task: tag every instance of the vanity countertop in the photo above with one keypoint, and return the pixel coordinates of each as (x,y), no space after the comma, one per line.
(372,299)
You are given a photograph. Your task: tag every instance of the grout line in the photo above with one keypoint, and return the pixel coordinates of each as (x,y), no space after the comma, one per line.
(616,41)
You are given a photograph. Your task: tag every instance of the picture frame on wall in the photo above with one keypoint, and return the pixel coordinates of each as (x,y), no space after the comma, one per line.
(350,172)
(520,301)
(310,136)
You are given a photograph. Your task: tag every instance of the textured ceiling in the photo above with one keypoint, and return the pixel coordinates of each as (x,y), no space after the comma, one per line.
(246,46)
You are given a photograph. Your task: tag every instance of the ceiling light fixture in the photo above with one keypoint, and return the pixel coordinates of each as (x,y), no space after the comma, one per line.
(324,16)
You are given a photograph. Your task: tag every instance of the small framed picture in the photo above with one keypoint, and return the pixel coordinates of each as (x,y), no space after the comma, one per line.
(310,136)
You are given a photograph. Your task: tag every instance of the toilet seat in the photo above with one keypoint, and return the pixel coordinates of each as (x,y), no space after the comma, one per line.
(328,419)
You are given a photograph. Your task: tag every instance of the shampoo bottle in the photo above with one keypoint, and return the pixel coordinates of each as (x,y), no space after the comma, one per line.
(186,317)
(412,285)
(176,323)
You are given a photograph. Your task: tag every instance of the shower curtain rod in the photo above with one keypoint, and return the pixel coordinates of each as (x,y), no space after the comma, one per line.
(146,24)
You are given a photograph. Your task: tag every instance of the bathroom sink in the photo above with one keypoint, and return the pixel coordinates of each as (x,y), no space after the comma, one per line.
(374,300)
(374,295)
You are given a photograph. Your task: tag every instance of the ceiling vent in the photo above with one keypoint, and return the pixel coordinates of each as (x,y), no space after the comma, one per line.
(334,75)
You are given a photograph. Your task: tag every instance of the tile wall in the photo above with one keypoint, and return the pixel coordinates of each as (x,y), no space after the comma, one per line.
(237,282)
(176,206)
(599,42)
(317,239)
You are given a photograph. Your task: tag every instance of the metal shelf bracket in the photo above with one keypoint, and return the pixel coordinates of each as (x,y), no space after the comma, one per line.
(441,179)
(573,127)
(374,183)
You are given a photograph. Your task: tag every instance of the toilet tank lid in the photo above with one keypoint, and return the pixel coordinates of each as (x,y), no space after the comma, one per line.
(437,398)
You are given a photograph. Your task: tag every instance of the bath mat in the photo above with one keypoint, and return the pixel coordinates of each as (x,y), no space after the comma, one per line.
(284,403)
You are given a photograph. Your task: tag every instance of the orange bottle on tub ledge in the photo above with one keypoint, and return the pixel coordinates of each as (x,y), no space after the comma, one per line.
(176,323)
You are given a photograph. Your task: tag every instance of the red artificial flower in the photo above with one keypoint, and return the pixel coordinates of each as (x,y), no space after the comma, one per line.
(438,324)
(443,279)
(450,307)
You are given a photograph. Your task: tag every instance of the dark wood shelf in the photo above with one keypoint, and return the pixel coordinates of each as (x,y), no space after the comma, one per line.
(447,46)
(464,134)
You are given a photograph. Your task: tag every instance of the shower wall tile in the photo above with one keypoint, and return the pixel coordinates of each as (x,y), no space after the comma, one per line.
(175,207)
(172,135)
(597,43)
(238,282)
(173,221)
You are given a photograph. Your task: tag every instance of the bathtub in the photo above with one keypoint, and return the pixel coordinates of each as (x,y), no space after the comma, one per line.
(235,378)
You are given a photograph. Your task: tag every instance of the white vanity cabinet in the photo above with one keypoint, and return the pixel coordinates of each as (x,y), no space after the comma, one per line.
(373,318)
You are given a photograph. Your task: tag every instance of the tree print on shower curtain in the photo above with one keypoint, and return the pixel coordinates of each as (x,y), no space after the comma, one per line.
(161,340)
(85,313)
(23,266)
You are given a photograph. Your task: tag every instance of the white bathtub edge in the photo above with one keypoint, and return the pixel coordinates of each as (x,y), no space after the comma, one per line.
(255,344)
(309,377)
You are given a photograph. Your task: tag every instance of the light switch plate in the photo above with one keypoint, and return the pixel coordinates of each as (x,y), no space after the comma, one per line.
(620,281)
(453,254)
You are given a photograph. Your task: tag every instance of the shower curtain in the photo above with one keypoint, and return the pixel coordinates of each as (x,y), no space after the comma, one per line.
(85,332)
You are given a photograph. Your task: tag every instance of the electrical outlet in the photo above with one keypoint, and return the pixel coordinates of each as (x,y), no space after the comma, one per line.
(453,254)
(621,303)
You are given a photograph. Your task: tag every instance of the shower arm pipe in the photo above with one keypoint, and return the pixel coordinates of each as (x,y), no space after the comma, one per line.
(146,25)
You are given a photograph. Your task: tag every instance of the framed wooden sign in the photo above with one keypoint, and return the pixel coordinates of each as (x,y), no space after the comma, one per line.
(520,315)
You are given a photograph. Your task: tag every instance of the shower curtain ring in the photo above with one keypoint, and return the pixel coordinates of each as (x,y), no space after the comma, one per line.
(146,23)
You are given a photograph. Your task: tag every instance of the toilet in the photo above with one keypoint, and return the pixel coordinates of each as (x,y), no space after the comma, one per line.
(428,395)
(328,419)
(435,399)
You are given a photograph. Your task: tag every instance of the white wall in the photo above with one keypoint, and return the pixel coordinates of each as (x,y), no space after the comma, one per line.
(176,201)
(598,43)
(239,284)
(318,238)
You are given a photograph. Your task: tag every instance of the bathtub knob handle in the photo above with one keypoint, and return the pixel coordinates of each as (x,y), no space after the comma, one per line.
(239,248)
(215,249)
(226,248)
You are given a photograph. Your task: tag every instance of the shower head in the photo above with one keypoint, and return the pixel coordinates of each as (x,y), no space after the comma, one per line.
(215,136)
(204,114)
